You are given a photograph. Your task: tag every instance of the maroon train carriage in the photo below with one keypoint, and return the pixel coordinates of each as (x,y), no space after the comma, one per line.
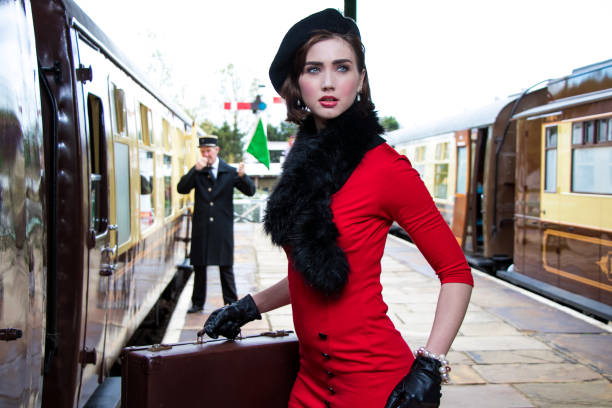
(89,215)
(524,184)
(563,211)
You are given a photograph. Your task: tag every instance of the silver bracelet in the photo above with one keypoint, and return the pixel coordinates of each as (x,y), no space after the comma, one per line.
(444,364)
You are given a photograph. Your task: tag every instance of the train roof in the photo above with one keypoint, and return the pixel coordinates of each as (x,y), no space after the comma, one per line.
(600,73)
(486,115)
(94,33)
(479,117)
(556,106)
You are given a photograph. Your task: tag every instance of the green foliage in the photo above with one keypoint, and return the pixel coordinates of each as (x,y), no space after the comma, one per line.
(230,142)
(389,123)
(282,133)
(208,127)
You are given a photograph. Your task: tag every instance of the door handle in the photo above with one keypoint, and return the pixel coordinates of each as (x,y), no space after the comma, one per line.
(112,251)
(10,334)
(107,269)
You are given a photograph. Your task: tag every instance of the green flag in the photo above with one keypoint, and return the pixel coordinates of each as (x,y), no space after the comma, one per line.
(258,146)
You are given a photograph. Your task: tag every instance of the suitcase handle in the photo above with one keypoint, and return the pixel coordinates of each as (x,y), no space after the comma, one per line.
(276,333)
(200,340)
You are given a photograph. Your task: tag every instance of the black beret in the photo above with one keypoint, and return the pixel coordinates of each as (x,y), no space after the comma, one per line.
(208,141)
(328,19)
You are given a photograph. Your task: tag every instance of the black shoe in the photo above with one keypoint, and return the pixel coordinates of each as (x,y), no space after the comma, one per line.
(195,309)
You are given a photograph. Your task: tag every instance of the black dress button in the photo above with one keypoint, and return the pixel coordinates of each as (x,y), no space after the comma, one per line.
(323,336)
(331,389)
(330,374)
(326,356)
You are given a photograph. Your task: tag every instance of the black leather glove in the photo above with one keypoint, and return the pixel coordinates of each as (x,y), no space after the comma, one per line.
(420,388)
(228,320)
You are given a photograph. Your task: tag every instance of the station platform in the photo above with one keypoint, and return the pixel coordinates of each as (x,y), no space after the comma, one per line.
(515,349)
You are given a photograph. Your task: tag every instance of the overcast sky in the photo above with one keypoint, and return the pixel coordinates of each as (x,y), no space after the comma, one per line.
(424,58)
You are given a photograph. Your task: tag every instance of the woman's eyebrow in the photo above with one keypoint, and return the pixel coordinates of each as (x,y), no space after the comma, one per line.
(335,62)
(342,61)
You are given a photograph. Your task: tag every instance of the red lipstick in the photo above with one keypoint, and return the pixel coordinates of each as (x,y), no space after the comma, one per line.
(328,101)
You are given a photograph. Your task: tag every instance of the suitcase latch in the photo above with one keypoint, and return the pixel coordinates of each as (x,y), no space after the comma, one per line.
(159,347)
(277,333)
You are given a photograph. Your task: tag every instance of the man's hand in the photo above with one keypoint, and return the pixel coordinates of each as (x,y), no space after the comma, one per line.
(201,163)
(241,169)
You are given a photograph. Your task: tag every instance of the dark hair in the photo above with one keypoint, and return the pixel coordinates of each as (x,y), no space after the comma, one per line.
(296,110)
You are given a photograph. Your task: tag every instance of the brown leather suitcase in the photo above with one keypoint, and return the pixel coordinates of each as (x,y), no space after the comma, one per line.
(255,371)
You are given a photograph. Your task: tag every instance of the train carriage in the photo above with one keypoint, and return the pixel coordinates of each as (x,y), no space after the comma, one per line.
(528,183)
(467,162)
(90,214)
(563,229)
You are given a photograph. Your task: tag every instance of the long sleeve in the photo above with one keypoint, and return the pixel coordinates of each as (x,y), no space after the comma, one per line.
(187,182)
(406,200)
(244,184)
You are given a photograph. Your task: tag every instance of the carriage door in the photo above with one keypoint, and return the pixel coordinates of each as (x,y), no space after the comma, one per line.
(478,146)
(460,211)
(101,257)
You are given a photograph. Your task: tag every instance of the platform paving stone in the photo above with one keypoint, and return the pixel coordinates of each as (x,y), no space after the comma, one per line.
(515,356)
(465,374)
(527,373)
(543,319)
(586,348)
(457,357)
(569,395)
(511,352)
(467,343)
(486,328)
(483,396)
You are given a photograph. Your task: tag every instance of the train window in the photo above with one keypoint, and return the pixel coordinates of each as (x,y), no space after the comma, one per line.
(122,192)
(442,151)
(589,132)
(181,168)
(119,111)
(150,126)
(592,170)
(577,133)
(147,209)
(166,134)
(167,171)
(602,130)
(419,160)
(592,158)
(441,180)
(610,130)
(420,154)
(462,169)
(550,173)
(145,130)
(97,151)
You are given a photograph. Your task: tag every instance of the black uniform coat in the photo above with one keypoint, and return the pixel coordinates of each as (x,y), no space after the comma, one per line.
(212,232)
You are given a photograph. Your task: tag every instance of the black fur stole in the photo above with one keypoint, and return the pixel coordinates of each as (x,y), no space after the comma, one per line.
(298,213)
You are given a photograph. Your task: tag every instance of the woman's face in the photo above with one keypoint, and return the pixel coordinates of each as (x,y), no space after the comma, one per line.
(330,79)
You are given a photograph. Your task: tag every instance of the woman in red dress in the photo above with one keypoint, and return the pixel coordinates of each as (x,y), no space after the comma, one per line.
(341,189)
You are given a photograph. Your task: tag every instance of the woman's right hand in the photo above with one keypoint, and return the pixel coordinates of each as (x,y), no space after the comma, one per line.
(228,320)
(420,388)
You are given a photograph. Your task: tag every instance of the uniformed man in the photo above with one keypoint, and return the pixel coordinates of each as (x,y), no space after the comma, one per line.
(212,234)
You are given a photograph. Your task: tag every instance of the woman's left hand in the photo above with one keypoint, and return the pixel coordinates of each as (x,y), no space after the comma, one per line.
(420,388)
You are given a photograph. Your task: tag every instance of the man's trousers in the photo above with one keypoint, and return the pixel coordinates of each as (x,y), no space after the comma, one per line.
(228,285)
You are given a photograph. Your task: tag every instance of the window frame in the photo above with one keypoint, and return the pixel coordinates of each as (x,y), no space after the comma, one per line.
(588,141)
(547,148)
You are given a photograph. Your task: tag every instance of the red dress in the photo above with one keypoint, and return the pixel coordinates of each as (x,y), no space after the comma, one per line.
(351,355)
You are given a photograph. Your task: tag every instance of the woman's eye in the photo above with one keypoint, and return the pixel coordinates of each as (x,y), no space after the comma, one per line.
(342,68)
(312,69)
